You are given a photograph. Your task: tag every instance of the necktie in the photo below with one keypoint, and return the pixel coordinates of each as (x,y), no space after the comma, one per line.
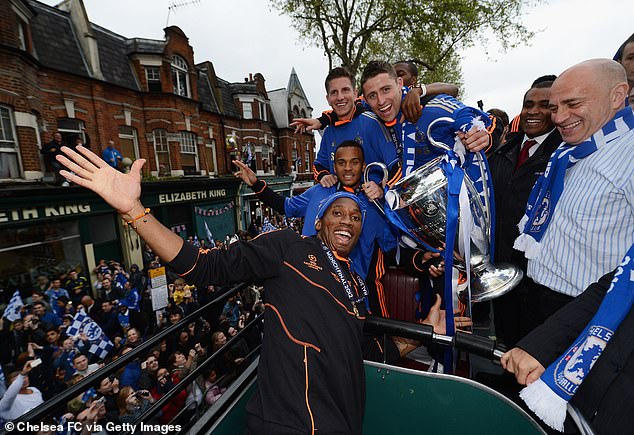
(524,152)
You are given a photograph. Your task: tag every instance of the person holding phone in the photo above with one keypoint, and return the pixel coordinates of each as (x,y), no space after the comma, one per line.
(20,397)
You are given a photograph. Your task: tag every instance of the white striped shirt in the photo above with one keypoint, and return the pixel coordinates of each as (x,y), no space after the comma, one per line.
(592,226)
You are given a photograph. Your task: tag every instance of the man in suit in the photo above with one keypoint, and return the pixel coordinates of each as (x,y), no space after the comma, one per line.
(606,396)
(515,166)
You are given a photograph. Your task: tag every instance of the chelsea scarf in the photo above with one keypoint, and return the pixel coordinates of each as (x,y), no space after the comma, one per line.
(549,187)
(549,395)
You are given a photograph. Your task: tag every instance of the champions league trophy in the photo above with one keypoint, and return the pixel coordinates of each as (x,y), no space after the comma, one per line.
(417,204)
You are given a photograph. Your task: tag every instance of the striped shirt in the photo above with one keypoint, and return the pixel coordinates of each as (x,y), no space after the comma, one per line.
(593,224)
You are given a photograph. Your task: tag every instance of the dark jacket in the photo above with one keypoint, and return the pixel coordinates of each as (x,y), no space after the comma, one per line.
(606,396)
(311,372)
(512,188)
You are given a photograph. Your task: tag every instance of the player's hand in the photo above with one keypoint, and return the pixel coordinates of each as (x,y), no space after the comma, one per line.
(245,173)
(328,180)
(121,191)
(372,190)
(474,140)
(304,125)
(411,108)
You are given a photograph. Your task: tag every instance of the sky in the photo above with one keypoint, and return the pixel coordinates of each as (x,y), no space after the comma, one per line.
(249,36)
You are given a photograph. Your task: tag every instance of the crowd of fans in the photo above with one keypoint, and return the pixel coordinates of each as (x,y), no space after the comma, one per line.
(45,355)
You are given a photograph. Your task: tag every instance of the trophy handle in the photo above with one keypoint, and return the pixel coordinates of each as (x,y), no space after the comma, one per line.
(486,207)
(366,178)
(434,142)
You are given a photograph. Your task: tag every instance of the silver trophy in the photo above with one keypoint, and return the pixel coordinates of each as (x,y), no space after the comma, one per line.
(419,201)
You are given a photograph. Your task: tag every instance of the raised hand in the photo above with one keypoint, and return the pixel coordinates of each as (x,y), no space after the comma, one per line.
(121,191)
(305,124)
(245,173)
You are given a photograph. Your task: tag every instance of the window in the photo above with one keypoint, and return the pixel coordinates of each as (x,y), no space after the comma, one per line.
(71,129)
(180,77)
(247,111)
(211,158)
(189,153)
(306,161)
(161,148)
(128,142)
(22,35)
(9,166)
(153,76)
(263,111)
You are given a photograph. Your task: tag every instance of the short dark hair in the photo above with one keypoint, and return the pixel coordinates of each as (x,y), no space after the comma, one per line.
(350,144)
(547,78)
(411,66)
(336,73)
(501,114)
(376,67)
(540,85)
(619,53)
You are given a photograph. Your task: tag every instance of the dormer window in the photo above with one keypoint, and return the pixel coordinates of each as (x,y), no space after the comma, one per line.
(180,76)
(153,76)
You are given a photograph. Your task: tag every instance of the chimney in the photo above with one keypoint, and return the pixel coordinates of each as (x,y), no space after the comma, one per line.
(250,77)
(83,30)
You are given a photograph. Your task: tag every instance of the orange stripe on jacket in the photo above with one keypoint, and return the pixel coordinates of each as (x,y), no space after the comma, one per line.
(323,288)
(289,335)
(310,412)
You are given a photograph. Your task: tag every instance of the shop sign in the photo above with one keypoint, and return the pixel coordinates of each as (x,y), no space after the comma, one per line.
(196,195)
(35,213)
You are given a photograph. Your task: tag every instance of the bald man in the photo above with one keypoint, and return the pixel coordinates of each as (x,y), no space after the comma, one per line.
(580,215)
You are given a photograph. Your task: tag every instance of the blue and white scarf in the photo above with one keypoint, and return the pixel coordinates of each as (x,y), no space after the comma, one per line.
(549,187)
(549,395)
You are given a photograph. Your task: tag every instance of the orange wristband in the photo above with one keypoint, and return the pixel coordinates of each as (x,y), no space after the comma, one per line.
(132,223)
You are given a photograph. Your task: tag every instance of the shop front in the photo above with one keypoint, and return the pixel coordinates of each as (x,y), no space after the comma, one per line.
(254,210)
(205,209)
(49,232)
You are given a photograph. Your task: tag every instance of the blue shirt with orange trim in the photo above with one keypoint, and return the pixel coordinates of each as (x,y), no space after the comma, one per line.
(365,129)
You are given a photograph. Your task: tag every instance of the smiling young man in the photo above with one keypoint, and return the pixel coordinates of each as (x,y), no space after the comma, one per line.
(364,128)
(515,167)
(383,91)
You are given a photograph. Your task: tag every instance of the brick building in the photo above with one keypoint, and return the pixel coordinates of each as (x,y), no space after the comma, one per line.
(61,73)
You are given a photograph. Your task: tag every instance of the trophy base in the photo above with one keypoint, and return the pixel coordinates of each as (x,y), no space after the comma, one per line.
(492,282)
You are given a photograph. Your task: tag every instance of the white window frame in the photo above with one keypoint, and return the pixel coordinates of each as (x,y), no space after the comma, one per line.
(180,72)
(6,112)
(78,131)
(247,110)
(152,74)
(188,145)
(214,157)
(307,164)
(159,147)
(133,137)
(263,111)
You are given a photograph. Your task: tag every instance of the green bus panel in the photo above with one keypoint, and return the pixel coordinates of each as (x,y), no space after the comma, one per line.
(407,402)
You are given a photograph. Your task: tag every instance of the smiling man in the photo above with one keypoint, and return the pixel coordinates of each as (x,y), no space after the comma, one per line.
(580,214)
(363,128)
(383,91)
(515,167)
(310,377)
